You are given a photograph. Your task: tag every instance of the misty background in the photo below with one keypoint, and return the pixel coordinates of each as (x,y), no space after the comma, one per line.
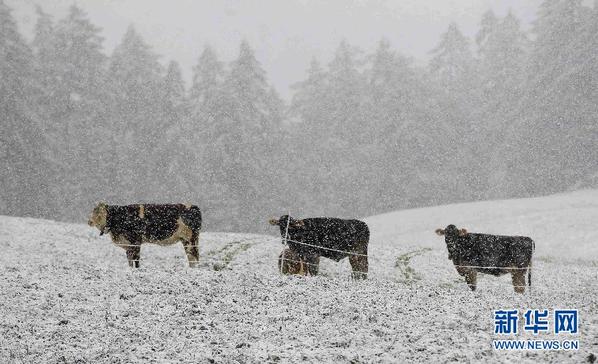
(459,104)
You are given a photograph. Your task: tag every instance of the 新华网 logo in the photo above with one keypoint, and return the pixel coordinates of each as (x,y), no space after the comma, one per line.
(537,322)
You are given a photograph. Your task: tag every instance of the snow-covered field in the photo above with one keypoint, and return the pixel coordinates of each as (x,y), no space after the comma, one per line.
(67,295)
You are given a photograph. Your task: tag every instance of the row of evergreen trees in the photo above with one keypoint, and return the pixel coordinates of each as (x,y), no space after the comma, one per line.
(366,133)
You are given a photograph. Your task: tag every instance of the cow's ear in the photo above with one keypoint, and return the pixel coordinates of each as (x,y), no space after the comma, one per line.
(462,232)
(273,222)
(439,232)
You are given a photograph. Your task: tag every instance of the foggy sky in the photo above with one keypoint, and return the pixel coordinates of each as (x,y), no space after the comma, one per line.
(285,34)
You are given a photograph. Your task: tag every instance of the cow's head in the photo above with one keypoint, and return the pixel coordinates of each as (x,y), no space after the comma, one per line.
(451,237)
(290,262)
(286,220)
(99,217)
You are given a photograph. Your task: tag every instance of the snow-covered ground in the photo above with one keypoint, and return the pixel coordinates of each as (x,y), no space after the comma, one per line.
(68,295)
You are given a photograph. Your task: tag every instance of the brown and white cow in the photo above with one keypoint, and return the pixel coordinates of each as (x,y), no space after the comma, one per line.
(490,254)
(164,224)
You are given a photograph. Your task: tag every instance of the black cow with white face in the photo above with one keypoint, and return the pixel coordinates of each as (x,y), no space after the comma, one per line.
(333,238)
(490,254)
(130,226)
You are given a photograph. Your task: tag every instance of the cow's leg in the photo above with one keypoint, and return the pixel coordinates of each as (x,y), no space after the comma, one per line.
(291,263)
(462,271)
(192,250)
(359,265)
(518,279)
(133,255)
(313,264)
(471,277)
(282,268)
(285,266)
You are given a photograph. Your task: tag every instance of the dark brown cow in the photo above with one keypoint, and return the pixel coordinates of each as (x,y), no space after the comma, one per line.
(490,254)
(332,238)
(132,225)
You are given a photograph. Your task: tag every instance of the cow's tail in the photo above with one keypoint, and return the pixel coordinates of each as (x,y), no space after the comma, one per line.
(192,217)
(529,275)
(529,268)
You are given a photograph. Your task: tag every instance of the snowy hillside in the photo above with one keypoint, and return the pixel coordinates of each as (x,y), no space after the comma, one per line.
(68,295)
(563,225)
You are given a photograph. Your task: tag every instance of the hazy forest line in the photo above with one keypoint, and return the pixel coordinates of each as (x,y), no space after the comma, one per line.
(506,114)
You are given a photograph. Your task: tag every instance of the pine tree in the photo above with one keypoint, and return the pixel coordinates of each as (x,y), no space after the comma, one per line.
(502,69)
(345,92)
(454,71)
(564,87)
(412,131)
(392,83)
(136,77)
(71,60)
(452,67)
(547,136)
(558,24)
(46,65)
(308,101)
(242,136)
(247,90)
(173,88)
(504,58)
(208,76)
(452,63)
(205,110)
(306,135)
(205,99)
(587,80)
(135,69)
(487,29)
(21,140)
(177,152)
(78,47)
(338,152)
